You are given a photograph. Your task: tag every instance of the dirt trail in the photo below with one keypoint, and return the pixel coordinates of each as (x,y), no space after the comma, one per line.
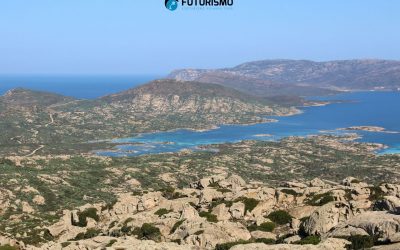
(51,120)
(34,151)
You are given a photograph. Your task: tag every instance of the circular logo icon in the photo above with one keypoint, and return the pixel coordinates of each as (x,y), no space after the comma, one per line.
(171,4)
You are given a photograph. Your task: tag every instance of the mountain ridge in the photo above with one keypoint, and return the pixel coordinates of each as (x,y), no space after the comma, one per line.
(300,77)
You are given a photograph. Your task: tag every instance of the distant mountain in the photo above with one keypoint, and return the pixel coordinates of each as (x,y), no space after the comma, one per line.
(300,77)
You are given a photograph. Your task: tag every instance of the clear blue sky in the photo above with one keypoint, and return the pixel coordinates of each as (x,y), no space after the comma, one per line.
(142,37)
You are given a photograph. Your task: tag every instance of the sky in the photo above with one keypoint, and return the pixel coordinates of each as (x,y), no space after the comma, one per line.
(143,37)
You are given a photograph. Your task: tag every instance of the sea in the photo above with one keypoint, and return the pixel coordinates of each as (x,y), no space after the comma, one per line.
(371,108)
(83,87)
(380,109)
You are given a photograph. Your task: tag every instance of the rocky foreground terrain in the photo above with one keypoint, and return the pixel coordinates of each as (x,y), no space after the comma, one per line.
(225,212)
(36,190)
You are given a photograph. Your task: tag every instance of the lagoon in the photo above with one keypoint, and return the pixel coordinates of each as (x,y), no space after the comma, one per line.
(356,109)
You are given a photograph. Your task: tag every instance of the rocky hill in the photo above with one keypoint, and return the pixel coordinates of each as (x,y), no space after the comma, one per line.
(225,212)
(27,98)
(32,120)
(300,77)
(177,97)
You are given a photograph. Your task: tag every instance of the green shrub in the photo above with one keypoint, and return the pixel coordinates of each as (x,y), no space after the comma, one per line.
(355,181)
(127,221)
(7,247)
(267,226)
(170,194)
(176,225)
(228,245)
(216,202)
(109,205)
(87,213)
(109,244)
(252,227)
(249,203)
(112,224)
(199,232)
(320,199)
(149,232)
(376,193)
(160,212)
(214,185)
(280,217)
(224,190)
(64,244)
(126,229)
(6,162)
(312,239)
(289,191)
(177,241)
(361,241)
(90,233)
(209,216)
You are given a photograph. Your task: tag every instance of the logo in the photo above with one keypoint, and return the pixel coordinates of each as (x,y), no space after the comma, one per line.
(171,4)
(199,4)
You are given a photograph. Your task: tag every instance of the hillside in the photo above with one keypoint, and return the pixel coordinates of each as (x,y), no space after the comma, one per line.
(54,123)
(20,97)
(198,201)
(300,77)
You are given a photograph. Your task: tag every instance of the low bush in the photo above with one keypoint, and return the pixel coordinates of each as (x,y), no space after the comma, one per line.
(149,232)
(109,244)
(209,216)
(320,199)
(312,239)
(7,247)
(214,185)
(289,191)
(90,233)
(6,162)
(376,193)
(361,242)
(224,190)
(266,227)
(280,217)
(228,245)
(109,205)
(64,244)
(170,194)
(249,203)
(216,202)
(176,225)
(199,232)
(160,212)
(82,216)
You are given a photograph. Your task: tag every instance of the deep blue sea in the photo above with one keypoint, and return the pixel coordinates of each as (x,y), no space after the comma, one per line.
(360,109)
(85,87)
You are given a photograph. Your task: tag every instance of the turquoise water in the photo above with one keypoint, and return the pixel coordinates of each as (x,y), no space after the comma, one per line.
(360,109)
(86,87)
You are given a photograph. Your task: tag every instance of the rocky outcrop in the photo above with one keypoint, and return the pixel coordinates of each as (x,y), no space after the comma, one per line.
(224,209)
(381,225)
(329,244)
(326,217)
